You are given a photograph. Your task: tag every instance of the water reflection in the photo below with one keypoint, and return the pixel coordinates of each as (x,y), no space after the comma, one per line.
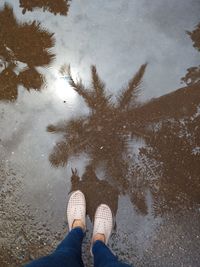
(175,151)
(56,7)
(23,48)
(167,124)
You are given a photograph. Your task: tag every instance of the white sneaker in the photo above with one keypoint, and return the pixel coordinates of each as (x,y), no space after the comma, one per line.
(103,222)
(76,208)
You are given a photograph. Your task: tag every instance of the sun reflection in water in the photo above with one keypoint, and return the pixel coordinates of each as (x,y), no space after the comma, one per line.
(63,89)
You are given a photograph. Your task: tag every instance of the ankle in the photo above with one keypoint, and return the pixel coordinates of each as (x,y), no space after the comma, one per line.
(78,223)
(99,237)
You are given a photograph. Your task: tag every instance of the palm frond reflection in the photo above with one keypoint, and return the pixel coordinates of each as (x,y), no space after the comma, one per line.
(56,7)
(24,47)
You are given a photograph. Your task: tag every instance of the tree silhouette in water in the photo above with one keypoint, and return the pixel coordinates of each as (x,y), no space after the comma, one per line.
(174,153)
(173,150)
(24,44)
(104,135)
(56,7)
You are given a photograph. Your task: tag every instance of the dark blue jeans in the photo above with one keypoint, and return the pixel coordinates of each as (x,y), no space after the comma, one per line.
(68,254)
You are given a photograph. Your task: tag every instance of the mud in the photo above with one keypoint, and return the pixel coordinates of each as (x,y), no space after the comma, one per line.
(106,99)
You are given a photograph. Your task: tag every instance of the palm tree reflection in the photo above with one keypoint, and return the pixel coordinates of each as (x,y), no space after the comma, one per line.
(56,7)
(104,134)
(22,43)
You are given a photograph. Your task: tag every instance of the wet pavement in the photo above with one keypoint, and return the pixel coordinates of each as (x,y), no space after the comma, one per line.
(102,96)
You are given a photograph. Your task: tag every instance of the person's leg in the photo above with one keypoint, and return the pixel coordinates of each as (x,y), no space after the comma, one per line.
(67,254)
(103,223)
(103,257)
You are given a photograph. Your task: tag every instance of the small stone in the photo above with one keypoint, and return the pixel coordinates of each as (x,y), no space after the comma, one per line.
(31,257)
